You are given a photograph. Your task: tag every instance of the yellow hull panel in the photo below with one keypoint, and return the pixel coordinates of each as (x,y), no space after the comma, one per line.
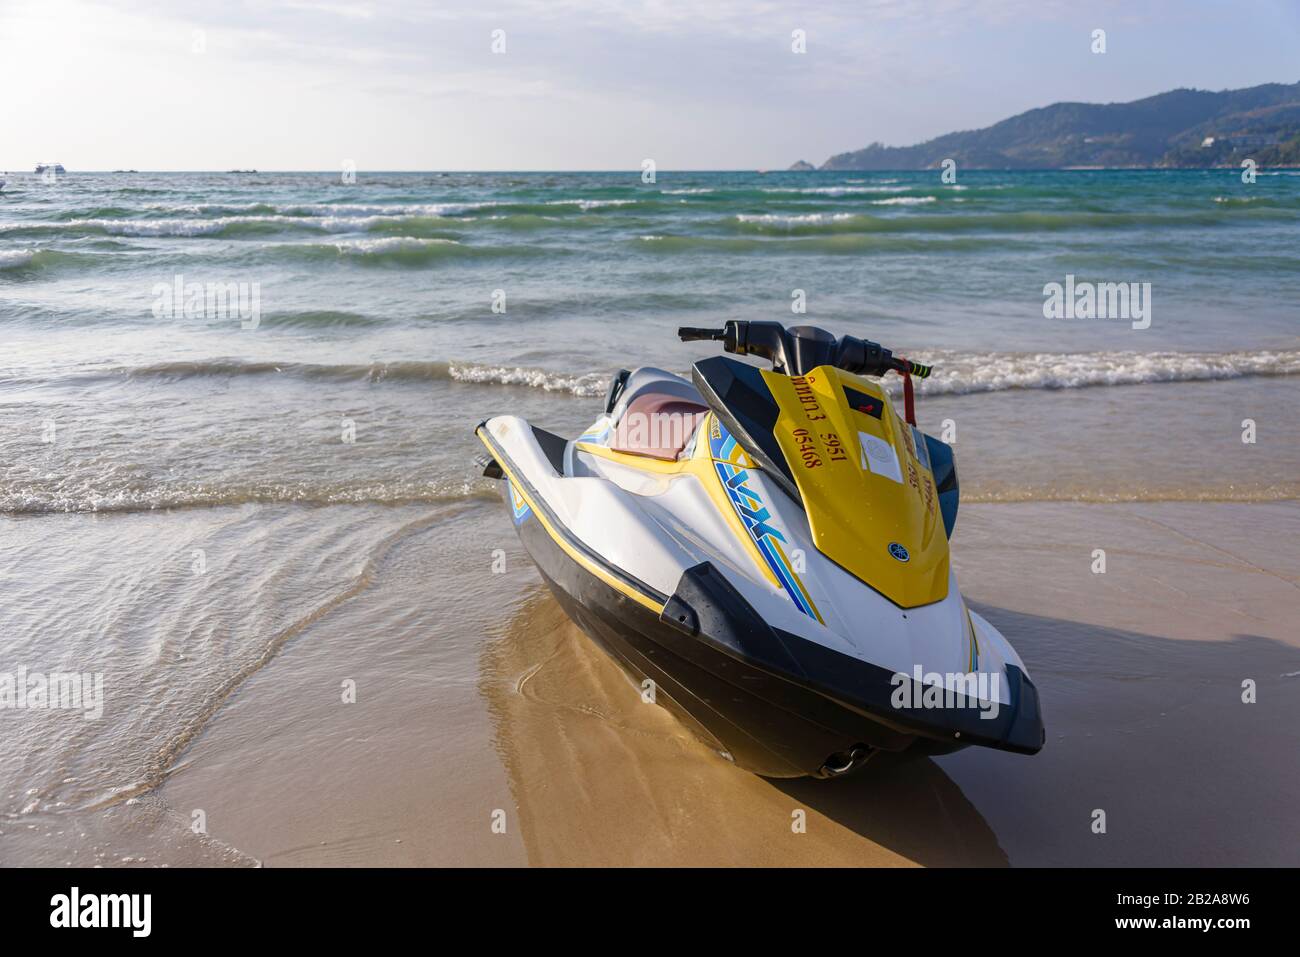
(868,490)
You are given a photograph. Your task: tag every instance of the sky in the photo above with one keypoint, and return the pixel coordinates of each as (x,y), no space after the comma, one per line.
(582,84)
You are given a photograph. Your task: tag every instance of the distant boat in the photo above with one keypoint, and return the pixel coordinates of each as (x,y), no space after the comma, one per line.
(56,168)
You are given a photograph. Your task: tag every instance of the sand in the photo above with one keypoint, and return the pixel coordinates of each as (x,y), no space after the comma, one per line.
(1140,670)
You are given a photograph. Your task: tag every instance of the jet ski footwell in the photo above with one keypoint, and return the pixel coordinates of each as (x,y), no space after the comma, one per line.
(772,702)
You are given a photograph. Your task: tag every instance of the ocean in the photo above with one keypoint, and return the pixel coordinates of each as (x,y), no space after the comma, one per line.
(415,304)
(236,413)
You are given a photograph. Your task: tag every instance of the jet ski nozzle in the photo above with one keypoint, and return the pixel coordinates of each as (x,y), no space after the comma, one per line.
(842,762)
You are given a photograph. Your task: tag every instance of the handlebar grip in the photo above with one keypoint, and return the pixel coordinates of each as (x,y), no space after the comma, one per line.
(693,334)
(919,370)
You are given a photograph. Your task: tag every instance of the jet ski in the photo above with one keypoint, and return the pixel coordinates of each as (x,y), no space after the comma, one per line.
(766,552)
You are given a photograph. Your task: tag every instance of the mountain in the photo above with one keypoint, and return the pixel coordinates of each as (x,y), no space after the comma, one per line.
(1181,128)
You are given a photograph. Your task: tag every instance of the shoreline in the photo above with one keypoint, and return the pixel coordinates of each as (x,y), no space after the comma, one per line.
(1139,670)
(477,701)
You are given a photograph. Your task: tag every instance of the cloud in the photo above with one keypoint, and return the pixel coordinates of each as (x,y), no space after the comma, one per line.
(583,83)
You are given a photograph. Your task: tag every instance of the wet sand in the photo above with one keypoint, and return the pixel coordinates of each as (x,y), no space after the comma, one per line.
(602,777)
(478,704)
(1140,671)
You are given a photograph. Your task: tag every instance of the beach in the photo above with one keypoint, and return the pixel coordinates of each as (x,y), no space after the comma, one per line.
(1141,674)
(478,698)
(321,642)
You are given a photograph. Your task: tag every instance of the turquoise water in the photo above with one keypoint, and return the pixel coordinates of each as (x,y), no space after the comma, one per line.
(421,302)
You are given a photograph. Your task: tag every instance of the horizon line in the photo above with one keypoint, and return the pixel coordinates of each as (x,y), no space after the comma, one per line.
(637,172)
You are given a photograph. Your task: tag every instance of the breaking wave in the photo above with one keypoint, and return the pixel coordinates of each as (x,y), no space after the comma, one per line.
(17,262)
(964,373)
(38,498)
(577,384)
(956,373)
(399,250)
(16,258)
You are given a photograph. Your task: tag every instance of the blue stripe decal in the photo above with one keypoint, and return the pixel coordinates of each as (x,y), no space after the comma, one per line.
(754,514)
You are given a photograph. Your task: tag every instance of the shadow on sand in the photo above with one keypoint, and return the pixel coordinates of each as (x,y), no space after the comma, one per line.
(908,804)
(1152,730)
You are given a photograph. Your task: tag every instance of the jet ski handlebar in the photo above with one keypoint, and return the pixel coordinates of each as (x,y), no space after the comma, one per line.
(695,334)
(800,349)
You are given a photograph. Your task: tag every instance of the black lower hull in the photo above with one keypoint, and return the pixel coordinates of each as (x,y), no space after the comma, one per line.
(762,723)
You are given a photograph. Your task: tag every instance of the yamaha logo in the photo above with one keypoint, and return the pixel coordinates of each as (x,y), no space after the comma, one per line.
(898,551)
